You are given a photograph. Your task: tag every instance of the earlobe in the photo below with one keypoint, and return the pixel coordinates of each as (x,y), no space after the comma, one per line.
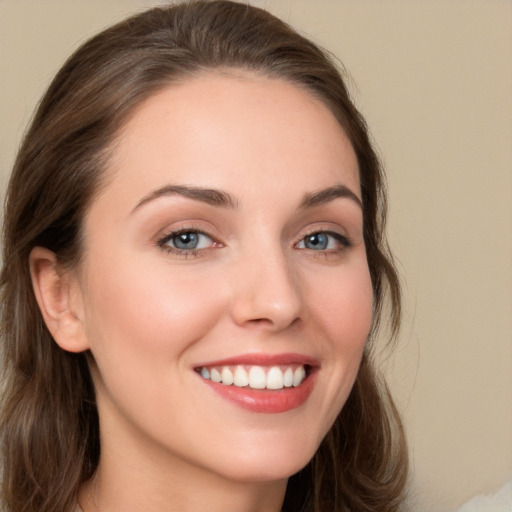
(59,299)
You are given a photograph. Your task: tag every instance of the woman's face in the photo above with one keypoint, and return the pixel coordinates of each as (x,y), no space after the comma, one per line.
(227,244)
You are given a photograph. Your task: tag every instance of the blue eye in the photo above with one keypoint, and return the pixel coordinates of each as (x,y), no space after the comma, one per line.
(189,240)
(316,241)
(324,241)
(186,241)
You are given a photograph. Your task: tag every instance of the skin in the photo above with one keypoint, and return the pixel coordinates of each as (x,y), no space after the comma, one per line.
(150,314)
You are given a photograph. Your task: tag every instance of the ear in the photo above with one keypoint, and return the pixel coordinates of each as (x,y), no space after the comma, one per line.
(60,300)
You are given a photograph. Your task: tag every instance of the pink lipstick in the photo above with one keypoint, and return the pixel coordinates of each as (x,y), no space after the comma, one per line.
(261,382)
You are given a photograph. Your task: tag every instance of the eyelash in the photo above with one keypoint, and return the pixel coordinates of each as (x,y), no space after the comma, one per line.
(185,253)
(344,242)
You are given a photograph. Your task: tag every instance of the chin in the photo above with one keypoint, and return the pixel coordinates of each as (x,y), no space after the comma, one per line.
(270,464)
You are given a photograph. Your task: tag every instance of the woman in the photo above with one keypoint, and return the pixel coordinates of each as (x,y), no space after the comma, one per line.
(194,268)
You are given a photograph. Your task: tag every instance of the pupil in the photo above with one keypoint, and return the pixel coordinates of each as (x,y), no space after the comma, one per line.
(317,241)
(186,240)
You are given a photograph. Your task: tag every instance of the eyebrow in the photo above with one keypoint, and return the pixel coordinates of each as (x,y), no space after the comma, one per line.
(205,195)
(225,200)
(326,195)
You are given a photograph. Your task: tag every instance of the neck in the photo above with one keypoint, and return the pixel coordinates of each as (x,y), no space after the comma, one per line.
(133,475)
(138,491)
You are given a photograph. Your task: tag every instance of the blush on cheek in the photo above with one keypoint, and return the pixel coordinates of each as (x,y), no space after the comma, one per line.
(348,318)
(159,306)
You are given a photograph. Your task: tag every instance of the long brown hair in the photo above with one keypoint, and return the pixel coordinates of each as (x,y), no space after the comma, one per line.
(49,421)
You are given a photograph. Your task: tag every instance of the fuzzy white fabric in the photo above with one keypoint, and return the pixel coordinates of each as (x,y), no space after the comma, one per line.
(498,502)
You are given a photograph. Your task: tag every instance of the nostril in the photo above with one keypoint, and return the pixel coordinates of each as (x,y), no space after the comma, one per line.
(260,322)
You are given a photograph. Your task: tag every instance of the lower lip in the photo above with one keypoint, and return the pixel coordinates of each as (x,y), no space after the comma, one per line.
(265,400)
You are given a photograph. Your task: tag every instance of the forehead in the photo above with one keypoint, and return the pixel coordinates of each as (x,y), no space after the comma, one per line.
(221,129)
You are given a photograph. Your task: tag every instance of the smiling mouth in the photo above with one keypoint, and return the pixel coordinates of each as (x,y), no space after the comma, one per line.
(257,377)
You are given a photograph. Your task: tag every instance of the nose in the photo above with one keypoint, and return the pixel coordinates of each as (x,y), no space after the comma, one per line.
(267,292)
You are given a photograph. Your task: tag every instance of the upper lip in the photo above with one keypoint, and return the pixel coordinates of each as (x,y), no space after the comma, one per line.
(262,360)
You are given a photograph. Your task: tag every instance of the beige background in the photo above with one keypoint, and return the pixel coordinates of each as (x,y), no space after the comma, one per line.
(434,79)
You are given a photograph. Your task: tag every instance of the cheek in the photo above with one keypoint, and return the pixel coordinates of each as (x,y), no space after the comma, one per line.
(343,310)
(139,330)
(344,307)
(152,314)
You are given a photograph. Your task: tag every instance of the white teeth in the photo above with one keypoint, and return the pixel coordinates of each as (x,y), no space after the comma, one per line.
(227,376)
(241,379)
(275,378)
(257,377)
(288,378)
(298,375)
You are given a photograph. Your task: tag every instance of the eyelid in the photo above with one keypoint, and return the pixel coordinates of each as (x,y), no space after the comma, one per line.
(168,234)
(183,226)
(174,234)
(343,239)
